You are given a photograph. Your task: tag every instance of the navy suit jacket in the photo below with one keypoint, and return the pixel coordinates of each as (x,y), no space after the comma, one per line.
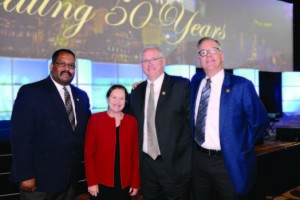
(243,119)
(172,120)
(44,145)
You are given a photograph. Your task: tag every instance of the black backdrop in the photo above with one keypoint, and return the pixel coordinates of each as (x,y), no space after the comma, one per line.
(270,91)
(296,35)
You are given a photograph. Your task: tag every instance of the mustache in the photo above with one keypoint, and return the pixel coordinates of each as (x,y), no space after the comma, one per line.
(65,72)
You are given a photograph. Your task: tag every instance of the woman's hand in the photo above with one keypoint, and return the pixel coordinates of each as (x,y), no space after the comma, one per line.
(133,191)
(93,190)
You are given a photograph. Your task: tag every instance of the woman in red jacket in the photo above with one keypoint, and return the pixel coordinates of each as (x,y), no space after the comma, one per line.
(111,150)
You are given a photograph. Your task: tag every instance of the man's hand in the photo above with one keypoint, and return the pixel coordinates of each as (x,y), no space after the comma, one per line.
(28,185)
(135,84)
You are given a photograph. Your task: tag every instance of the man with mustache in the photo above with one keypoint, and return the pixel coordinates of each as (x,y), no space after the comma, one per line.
(48,126)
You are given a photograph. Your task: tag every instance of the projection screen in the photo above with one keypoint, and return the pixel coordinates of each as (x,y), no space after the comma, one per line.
(253,34)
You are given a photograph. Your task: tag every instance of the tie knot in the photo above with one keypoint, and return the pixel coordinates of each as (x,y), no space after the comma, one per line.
(208,81)
(66,91)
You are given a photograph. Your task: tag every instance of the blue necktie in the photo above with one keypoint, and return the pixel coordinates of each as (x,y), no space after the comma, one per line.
(201,115)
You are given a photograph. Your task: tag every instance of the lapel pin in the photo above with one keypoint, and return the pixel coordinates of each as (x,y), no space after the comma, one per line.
(227,90)
(163,93)
(77,99)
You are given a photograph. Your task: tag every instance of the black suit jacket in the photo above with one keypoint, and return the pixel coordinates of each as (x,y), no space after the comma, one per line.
(172,122)
(44,145)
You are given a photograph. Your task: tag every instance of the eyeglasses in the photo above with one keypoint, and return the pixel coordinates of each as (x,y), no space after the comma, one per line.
(63,65)
(150,60)
(204,52)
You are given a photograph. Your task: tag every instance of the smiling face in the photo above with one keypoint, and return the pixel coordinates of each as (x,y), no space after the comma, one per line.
(212,59)
(116,100)
(153,63)
(63,74)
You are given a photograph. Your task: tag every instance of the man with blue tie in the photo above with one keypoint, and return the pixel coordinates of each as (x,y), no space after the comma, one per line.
(228,118)
(48,125)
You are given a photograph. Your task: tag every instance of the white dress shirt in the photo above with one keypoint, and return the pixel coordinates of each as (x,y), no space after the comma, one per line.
(61,91)
(212,133)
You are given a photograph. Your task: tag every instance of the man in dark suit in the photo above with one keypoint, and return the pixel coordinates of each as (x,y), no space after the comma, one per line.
(166,154)
(224,160)
(46,139)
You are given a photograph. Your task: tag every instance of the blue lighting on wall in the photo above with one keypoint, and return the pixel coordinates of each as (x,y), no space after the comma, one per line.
(186,71)
(250,74)
(291,93)
(95,78)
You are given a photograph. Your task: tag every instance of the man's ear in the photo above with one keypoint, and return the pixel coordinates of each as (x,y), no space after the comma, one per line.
(51,67)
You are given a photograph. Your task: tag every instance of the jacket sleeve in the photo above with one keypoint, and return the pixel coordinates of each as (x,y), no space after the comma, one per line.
(136,165)
(22,133)
(89,153)
(257,115)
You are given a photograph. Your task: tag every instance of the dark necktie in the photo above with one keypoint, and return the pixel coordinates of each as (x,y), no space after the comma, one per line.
(69,107)
(201,115)
(152,143)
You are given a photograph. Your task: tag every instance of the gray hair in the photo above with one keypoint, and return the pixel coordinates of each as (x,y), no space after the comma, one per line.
(151,47)
(208,38)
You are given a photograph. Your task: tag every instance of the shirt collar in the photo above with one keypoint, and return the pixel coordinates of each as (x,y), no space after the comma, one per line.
(218,78)
(59,86)
(158,81)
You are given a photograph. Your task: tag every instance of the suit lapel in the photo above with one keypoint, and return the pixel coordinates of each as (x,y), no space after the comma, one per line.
(164,91)
(56,96)
(141,93)
(58,101)
(195,89)
(224,101)
(77,102)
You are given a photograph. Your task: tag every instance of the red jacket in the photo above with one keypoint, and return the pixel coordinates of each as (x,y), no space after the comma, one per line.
(99,151)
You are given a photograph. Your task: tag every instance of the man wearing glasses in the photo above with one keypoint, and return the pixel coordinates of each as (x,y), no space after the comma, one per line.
(161,105)
(47,133)
(228,118)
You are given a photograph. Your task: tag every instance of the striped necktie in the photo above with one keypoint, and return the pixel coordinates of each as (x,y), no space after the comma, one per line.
(201,115)
(69,107)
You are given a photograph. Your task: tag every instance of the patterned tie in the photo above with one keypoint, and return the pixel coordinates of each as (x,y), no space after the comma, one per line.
(201,115)
(153,148)
(69,107)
